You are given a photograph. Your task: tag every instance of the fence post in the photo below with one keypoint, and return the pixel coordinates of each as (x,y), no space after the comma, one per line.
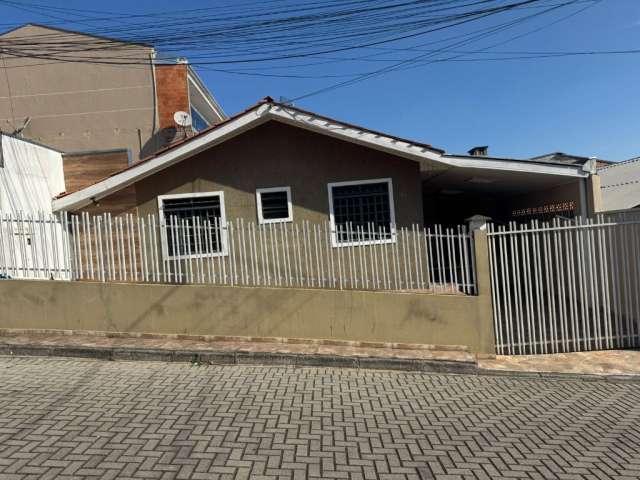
(486,335)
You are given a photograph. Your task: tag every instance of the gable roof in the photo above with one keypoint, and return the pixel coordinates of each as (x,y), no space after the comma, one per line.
(268,110)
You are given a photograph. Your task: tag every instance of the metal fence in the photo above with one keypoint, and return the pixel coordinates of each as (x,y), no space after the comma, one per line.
(566,285)
(191,250)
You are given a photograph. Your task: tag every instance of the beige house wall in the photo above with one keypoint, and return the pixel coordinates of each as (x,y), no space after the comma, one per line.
(79,106)
(250,311)
(274,155)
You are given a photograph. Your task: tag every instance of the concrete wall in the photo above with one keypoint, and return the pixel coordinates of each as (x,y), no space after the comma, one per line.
(275,154)
(78,105)
(207,310)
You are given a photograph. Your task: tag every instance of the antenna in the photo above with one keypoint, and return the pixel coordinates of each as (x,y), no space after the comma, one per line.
(182,119)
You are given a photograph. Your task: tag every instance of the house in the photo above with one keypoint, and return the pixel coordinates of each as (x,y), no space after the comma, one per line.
(620,185)
(276,163)
(81,92)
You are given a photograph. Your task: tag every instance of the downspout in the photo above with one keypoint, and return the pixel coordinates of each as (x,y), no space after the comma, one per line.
(154,86)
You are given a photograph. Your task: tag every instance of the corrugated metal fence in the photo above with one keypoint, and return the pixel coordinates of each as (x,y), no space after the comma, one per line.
(189,250)
(566,285)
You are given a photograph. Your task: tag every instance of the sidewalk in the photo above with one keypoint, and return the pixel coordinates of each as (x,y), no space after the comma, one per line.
(610,365)
(603,362)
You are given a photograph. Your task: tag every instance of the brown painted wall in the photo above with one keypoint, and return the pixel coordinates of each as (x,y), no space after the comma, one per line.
(84,169)
(208,310)
(79,106)
(275,154)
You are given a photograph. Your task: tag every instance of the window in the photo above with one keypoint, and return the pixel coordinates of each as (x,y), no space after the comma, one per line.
(362,212)
(198,122)
(193,225)
(274,205)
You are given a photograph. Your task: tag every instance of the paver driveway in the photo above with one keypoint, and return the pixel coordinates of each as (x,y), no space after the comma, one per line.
(81,418)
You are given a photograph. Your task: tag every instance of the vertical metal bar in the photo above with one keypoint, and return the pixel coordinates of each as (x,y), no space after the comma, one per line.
(4,253)
(373,256)
(44,244)
(211,252)
(34,244)
(330,262)
(57,246)
(339,254)
(557,240)
(143,249)
(177,248)
(222,250)
(528,285)
(256,266)
(353,269)
(321,256)
(133,250)
(78,245)
(397,281)
(274,255)
(363,264)
(506,282)
(232,260)
(302,279)
(595,301)
(604,283)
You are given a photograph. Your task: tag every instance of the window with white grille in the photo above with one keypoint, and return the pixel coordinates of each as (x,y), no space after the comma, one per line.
(193,224)
(274,205)
(362,212)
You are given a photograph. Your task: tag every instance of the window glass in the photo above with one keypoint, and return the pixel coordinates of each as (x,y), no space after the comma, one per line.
(362,211)
(193,225)
(274,204)
(198,122)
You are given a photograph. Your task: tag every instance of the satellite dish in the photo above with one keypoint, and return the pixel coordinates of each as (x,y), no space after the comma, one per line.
(182,119)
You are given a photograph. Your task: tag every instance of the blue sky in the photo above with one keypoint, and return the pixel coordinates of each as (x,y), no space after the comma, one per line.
(587,105)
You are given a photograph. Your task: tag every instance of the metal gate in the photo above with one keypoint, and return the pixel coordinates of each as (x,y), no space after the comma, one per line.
(566,285)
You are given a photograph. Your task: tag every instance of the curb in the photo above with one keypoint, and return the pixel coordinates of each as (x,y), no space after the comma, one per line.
(212,357)
(220,357)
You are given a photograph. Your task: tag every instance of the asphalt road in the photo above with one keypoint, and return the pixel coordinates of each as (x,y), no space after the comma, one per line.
(65,418)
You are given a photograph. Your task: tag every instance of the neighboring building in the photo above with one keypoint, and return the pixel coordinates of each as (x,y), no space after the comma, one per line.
(620,185)
(96,93)
(277,163)
(30,176)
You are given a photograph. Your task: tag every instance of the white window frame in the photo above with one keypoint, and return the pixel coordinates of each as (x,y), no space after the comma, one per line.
(163,232)
(261,219)
(392,213)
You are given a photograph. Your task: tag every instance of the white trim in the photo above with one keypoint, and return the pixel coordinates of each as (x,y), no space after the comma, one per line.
(392,213)
(289,115)
(223,225)
(261,219)
(524,166)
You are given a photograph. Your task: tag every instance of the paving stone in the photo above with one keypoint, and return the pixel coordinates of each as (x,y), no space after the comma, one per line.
(72,418)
